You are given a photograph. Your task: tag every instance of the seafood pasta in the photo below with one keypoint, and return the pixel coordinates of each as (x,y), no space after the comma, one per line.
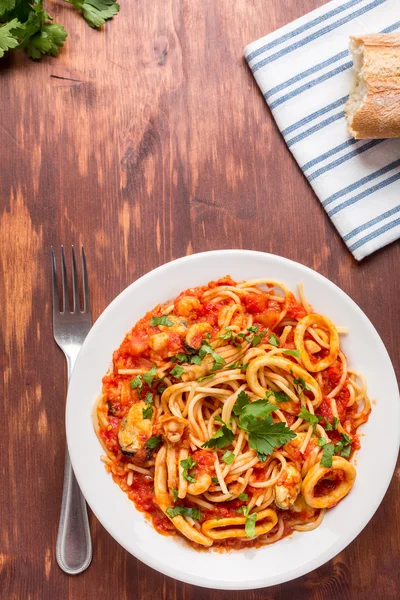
(230,415)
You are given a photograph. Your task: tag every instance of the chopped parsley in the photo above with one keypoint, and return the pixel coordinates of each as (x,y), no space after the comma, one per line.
(326,460)
(136,382)
(307,416)
(243,497)
(228,457)
(164,320)
(174,511)
(243,510)
(279,396)
(177,372)
(300,385)
(149,376)
(221,438)
(200,379)
(187,465)
(153,442)
(187,358)
(253,329)
(205,348)
(258,337)
(149,398)
(250,526)
(236,365)
(147,412)
(228,335)
(215,480)
(161,389)
(174,493)
(273,340)
(295,353)
(343,447)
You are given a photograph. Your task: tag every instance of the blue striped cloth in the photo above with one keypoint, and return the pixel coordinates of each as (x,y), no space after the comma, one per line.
(305,72)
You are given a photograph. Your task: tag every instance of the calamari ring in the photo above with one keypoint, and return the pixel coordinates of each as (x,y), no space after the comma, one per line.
(334,343)
(210,528)
(290,367)
(164,502)
(318,472)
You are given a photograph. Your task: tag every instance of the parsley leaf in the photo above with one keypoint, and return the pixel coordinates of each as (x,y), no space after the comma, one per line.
(243,497)
(250,526)
(194,513)
(161,389)
(48,40)
(307,416)
(265,436)
(241,401)
(255,410)
(243,510)
(344,445)
(96,12)
(149,376)
(7,38)
(153,442)
(273,340)
(221,438)
(228,457)
(180,358)
(236,365)
(215,480)
(346,452)
(205,348)
(147,412)
(295,353)
(187,465)
(228,335)
(253,329)
(257,338)
(149,398)
(177,372)
(336,422)
(328,425)
(322,442)
(154,321)
(326,460)
(136,382)
(300,385)
(195,359)
(174,493)
(200,379)
(279,396)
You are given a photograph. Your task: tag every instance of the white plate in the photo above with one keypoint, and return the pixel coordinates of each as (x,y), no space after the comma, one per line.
(293,556)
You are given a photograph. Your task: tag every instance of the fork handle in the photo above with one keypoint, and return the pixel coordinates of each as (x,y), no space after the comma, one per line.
(74,544)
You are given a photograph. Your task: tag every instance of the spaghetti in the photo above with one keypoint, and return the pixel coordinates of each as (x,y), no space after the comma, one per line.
(230,415)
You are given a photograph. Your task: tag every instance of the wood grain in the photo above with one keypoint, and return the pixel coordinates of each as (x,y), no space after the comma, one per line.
(147,141)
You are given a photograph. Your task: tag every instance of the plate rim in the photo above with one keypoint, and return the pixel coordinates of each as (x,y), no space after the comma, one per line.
(171,571)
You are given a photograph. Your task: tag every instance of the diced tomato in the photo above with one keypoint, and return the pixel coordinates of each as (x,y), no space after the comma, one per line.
(294,309)
(205,461)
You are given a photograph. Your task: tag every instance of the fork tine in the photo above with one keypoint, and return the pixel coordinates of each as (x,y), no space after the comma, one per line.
(64,282)
(86,296)
(75,288)
(56,301)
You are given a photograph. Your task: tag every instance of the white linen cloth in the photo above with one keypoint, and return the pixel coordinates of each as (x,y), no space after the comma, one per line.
(305,72)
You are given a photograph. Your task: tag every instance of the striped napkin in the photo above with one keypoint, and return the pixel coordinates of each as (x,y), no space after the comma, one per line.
(305,72)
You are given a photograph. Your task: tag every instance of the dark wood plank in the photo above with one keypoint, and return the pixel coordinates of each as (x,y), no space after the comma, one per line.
(148,141)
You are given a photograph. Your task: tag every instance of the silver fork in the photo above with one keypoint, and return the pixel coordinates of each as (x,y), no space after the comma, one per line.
(74,545)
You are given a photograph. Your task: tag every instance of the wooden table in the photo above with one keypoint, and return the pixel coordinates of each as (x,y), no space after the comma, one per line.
(145,142)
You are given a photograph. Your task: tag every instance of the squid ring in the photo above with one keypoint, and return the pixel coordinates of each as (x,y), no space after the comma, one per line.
(217,529)
(318,472)
(334,343)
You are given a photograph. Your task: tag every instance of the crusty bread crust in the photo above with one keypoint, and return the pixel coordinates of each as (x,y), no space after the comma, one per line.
(378,115)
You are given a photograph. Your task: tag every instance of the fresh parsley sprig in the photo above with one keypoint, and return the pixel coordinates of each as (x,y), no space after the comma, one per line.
(222,437)
(25,24)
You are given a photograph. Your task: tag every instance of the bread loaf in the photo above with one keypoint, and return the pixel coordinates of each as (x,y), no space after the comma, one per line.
(373,108)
